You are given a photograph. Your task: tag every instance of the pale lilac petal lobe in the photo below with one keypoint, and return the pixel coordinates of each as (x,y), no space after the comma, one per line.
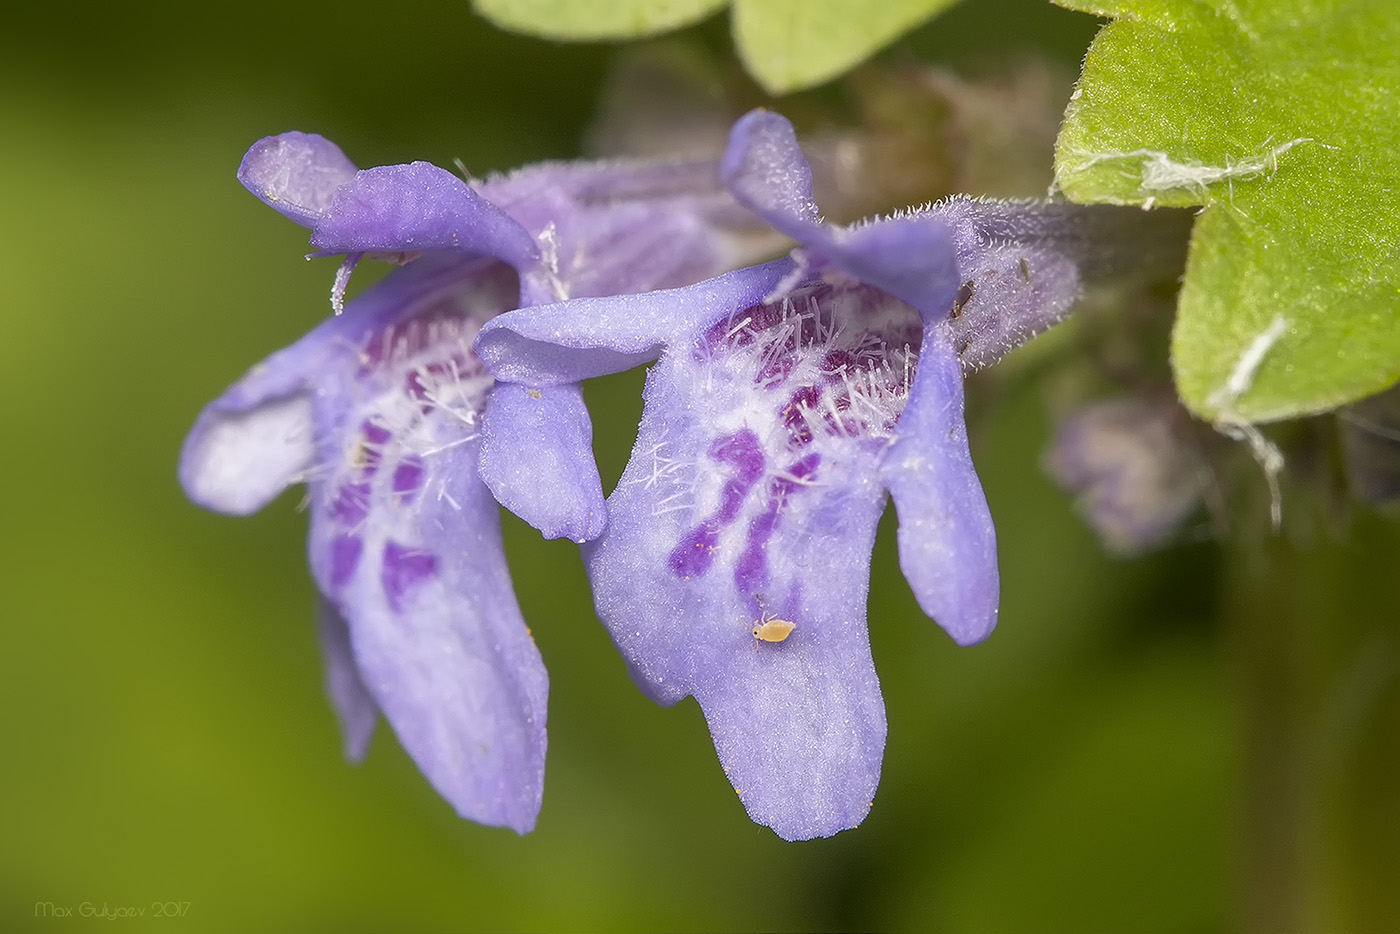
(260,435)
(548,345)
(767,172)
(537,459)
(354,706)
(256,439)
(947,545)
(405,542)
(405,538)
(419,207)
(296,174)
(237,460)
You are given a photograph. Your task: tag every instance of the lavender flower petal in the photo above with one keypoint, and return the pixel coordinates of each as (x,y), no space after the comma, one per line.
(256,439)
(766,171)
(614,227)
(296,174)
(354,707)
(439,639)
(419,207)
(547,345)
(709,535)
(799,725)
(405,538)
(537,458)
(947,545)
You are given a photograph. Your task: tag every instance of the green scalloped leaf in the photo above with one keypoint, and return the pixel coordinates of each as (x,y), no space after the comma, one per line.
(595,19)
(785,44)
(1282,118)
(792,44)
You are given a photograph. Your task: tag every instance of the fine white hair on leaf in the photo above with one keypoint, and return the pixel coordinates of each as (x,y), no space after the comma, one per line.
(1161,173)
(1247,366)
(1229,423)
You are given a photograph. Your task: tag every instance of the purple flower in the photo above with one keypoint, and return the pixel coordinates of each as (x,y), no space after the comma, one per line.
(786,400)
(382,411)
(1135,472)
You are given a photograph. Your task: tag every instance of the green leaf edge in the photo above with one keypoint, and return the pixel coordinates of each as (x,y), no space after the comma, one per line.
(592,20)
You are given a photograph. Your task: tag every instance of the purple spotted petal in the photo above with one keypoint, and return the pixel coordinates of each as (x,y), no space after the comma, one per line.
(438,635)
(258,437)
(537,459)
(354,706)
(947,545)
(416,208)
(296,174)
(405,538)
(712,533)
(405,541)
(551,344)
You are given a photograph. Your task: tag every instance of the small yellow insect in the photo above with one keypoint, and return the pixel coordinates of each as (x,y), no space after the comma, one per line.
(771,629)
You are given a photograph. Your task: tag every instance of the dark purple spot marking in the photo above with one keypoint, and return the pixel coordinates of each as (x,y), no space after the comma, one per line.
(345,557)
(741,451)
(838,361)
(751,571)
(776,369)
(730,499)
(377,435)
(351,504)
(403,570)
(794,417)
(695,553)
(408,476)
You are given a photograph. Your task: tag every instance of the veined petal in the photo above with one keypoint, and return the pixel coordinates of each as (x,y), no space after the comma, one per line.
(354,706)
(405,538)
(258,437)
(537,459)
(421,580)
(419,207)
(947,545)
(750,502)
(296,174)
(547,345)
(708,539)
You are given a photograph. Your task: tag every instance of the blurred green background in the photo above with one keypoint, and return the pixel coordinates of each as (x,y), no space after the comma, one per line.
(165,735)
